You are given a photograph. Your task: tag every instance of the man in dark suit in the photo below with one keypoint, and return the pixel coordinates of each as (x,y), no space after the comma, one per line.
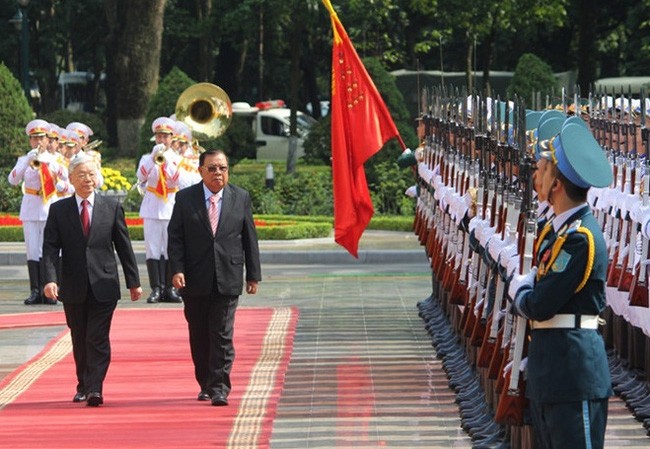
(212,237)
(87,229)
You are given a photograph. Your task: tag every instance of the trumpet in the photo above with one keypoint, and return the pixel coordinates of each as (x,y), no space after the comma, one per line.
(159,157)
(35,163)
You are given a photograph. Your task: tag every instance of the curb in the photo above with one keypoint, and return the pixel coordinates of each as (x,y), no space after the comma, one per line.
(305,257)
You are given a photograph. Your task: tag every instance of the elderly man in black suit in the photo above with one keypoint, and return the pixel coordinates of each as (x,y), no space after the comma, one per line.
(87,230)
(212,237)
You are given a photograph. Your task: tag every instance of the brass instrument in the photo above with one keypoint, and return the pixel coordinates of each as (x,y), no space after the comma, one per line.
(206,109)
(92,145)
(36,162)
(159,156)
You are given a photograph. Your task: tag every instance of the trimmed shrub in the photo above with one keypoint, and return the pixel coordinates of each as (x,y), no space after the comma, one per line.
(531,75)
(15,113)
(163,103)
(96,122)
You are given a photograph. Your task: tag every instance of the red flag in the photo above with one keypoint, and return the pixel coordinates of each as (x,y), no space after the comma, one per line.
(47,182)
(361,125)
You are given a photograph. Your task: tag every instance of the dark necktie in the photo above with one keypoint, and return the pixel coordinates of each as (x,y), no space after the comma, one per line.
(85,218)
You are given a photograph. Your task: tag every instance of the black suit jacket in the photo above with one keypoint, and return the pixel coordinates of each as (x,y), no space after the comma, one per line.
(195,252)
(88,262)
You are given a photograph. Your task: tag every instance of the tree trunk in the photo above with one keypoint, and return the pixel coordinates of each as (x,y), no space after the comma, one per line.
(586,45)
(470,66)
(203,13)
(133,64)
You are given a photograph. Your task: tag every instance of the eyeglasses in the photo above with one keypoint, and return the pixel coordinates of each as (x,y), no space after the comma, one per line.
(214,168)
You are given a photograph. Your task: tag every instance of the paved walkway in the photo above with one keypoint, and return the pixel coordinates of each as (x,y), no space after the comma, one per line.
(363,373)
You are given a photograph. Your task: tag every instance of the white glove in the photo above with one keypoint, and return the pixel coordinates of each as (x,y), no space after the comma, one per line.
(496,246)
(507,253)
(521,280)
(644,219)
(512,264)
(411,192)
(61,186)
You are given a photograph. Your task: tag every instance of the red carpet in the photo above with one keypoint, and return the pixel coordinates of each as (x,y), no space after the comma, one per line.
(150,391)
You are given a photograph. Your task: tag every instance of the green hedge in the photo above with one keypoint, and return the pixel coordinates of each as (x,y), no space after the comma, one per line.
(300,227)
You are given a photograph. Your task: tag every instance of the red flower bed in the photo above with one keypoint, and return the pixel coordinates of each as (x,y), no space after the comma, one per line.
(12,220)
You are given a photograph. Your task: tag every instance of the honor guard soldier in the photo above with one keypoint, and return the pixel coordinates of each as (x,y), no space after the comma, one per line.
(41,178)
(568,379)
(158,175)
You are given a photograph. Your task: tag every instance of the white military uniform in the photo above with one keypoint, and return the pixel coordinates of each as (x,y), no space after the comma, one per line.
(41,177)
(160,184)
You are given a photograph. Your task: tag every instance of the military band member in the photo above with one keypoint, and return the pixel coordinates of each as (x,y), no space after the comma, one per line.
(189,166)
(158,174)
(568,380)
(53,135)
(83,133)
(41,178)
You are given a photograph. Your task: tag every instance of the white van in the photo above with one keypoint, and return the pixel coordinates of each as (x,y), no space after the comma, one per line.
(271,125)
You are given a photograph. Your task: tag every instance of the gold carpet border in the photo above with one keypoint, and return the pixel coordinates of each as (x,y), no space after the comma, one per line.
(35,370)
(253,407)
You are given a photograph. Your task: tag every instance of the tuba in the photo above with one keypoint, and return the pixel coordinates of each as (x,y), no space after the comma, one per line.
(206,109)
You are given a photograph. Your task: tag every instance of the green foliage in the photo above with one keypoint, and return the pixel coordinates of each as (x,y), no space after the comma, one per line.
(387,188)
(392,223)
(531,75)
(15,113)
(295,231)
(318,143)
(95,121)
(10,196)
(11,234)
(163,103)
(238,141)
(306,192)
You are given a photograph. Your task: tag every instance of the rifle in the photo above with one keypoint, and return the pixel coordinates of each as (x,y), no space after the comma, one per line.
(627,268)
(639,288)
(512,401)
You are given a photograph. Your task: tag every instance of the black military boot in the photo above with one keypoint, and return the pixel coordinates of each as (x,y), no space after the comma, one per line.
(33,271)
(46,300)
(170,293)
(153,269)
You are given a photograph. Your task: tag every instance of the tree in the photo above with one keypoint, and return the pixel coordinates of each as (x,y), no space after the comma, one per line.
(15,113)
(133,63)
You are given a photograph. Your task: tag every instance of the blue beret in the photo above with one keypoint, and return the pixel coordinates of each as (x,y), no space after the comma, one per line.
(575,119)
(532,119)
(579,157)
(546,131)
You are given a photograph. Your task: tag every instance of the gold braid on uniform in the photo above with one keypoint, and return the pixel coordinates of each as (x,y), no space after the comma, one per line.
(557,247)
(590,255)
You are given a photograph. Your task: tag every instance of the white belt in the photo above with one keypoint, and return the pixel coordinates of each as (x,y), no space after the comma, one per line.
(568,321)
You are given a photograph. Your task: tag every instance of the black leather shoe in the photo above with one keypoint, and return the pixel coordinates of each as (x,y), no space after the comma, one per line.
(219,400)
(34,298)
(203,396)
(49,301)
(155,295)
(171,295)
(94,399)
(79,397)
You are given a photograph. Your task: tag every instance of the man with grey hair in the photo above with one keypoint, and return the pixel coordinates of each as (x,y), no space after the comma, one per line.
(87,230)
